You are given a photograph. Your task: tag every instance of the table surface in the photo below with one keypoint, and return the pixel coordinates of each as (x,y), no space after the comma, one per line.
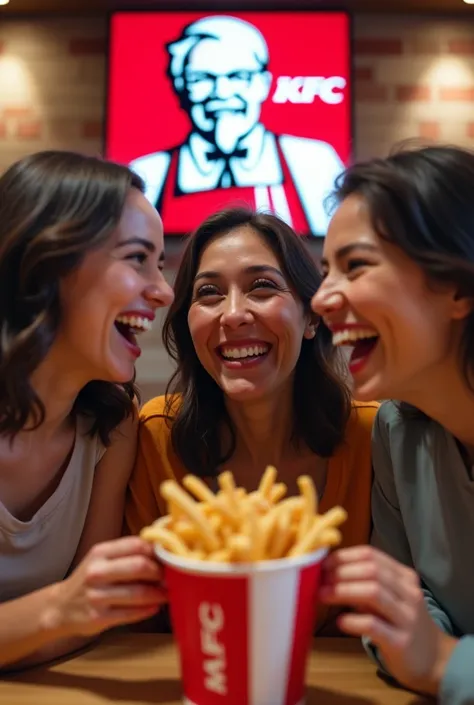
(142,669)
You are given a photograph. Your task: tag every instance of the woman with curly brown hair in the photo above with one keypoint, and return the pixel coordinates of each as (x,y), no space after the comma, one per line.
(81,254)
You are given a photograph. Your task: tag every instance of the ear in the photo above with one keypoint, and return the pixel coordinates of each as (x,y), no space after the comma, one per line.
(311,327)
(461,305)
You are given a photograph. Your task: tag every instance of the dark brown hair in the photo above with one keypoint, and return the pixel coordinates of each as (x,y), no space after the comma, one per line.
(422,201)
(321,401)
(54,208)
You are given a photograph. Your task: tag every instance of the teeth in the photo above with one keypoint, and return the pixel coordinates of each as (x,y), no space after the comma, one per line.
(236,353)
(137,323)
(342,337)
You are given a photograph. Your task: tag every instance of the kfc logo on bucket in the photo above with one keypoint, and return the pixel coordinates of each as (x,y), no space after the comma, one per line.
(243,633)
(248,107)
(211,618)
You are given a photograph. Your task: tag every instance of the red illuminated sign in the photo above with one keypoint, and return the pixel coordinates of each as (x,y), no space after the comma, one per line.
(216,109)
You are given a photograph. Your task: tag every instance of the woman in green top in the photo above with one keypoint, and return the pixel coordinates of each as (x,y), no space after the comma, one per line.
(399,289)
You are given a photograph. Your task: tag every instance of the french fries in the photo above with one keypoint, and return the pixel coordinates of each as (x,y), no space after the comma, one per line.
(234,526)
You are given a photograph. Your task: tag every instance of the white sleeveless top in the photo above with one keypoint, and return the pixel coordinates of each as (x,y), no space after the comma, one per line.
(39,552)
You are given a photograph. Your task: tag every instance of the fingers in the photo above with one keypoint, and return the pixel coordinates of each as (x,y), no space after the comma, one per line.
(350,560)
(370,582)
(365,595)
(119,548)
(136,568)
(138,596)
(129,616)
(114,617)
(377,630)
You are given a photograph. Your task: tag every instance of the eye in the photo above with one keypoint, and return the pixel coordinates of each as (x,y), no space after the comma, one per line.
(263,284)
(139,257)
(356,263)
(206,290)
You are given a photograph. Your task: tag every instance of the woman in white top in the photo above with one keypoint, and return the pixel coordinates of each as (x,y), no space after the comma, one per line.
(81,258)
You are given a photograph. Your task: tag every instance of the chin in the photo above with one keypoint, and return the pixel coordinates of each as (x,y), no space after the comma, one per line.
(119,375)
(372,389)
(243,393)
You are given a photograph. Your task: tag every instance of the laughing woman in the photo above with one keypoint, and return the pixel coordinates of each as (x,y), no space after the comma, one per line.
(399,264)
(81,253)
(255,381)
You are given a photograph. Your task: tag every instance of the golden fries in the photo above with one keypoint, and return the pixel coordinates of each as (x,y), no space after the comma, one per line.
(234,526)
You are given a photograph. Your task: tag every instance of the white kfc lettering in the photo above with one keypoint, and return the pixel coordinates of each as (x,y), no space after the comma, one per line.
(211,618)
(304,89)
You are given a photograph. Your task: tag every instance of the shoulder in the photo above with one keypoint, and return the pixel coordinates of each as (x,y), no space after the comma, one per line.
(120,453)
(159,409)
(361,419)
(156,418)
(357,442)
(404,428)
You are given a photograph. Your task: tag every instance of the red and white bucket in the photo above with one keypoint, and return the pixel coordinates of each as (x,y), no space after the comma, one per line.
(243,630)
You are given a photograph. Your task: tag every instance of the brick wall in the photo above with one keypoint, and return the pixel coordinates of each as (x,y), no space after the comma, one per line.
(414,79)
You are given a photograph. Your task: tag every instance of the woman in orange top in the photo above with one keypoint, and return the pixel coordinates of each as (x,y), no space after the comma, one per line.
(255,381)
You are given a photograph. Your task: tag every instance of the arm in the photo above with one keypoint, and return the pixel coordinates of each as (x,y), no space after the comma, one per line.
(388,533)
(457,682)
(392,611)
(30,631)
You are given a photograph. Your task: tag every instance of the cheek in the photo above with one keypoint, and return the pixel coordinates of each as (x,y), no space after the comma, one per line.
(285,320)
(122,285)
(200,324)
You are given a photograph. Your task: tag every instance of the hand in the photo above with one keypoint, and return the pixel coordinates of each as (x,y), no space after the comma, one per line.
(389,609)
(118,582)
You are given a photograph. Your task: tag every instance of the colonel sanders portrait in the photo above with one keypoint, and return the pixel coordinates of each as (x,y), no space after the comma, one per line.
(219,69)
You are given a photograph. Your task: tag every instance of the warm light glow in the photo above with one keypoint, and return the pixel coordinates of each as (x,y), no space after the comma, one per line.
(469,2)
(448,70)
(4,2)
(15,81)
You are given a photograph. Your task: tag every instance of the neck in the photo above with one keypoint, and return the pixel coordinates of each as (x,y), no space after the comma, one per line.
(58,388)
(446,398)
(263,428)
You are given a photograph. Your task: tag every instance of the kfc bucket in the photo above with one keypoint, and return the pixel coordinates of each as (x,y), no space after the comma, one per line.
(243,630)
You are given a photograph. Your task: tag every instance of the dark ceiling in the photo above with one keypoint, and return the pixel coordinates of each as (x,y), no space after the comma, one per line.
(100,6)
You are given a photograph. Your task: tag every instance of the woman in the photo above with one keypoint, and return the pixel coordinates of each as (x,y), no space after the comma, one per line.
(81,253)
(254,383)
(398,288)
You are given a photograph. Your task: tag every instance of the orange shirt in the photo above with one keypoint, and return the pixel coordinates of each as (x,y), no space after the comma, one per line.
(348,484)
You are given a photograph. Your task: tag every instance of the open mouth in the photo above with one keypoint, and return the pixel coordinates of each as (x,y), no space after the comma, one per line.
(243,354)
(131,326)
(363,342)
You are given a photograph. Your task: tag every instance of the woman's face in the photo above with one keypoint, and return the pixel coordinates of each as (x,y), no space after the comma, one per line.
(246,322)
(111,298)
(377,300)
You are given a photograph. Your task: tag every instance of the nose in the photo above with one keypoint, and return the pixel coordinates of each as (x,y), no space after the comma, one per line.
(235,311)
(327,301)
(224,87)
(160,294)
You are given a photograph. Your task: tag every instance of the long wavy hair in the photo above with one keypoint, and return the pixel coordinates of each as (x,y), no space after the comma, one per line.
(55,207)
(321,401)
(421,199)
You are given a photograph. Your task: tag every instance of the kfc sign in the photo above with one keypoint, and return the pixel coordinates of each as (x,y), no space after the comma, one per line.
(216,109)
(304,89)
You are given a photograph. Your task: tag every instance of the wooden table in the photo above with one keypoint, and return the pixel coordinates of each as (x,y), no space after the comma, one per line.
(142,669)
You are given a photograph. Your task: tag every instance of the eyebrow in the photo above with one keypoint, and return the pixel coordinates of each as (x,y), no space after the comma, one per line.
(252,269)
(139,241)
(347,249)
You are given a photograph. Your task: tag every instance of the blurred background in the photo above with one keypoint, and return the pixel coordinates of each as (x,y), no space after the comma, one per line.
(413,77)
